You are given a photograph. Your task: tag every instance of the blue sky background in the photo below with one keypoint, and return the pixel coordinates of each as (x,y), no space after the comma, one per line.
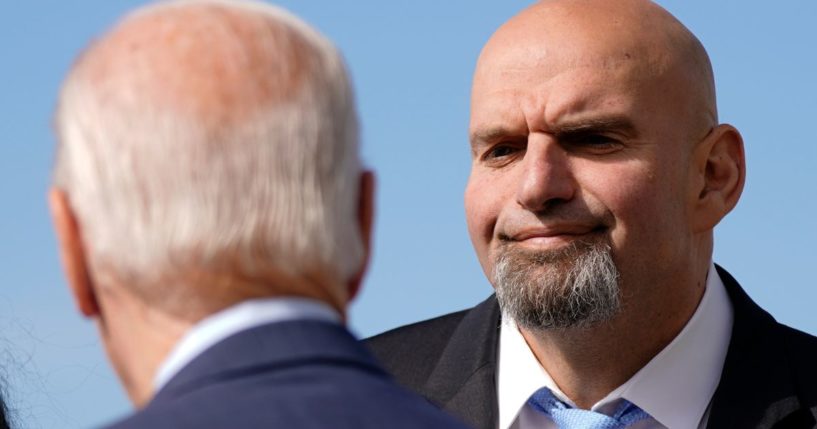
(411,62)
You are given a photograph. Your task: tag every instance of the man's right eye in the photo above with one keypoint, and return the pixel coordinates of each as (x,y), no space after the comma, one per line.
(499,151)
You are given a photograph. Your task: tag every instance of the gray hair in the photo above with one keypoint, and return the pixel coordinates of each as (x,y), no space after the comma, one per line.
(161,193)
(575,287)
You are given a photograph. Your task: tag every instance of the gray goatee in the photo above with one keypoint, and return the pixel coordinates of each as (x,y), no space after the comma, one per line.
(574,287)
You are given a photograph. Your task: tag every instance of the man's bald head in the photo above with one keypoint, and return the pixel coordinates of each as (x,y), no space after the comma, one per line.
(218,139)
(638,34)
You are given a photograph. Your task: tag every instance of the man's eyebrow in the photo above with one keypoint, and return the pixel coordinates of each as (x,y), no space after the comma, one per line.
(619,124)
(492,134)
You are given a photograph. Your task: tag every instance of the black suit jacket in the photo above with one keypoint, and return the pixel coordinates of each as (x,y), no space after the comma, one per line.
(300,374)
(769,378)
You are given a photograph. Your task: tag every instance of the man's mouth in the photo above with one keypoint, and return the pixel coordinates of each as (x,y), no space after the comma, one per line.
(552,236)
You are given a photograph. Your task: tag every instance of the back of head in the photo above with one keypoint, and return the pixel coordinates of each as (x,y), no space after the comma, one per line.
(209,144)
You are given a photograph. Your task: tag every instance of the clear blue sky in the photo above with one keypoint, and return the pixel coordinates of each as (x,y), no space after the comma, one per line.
(411,62)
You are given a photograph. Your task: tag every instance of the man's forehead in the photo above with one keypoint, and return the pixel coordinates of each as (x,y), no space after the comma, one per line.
(524,102)
(535,55)
(563,56)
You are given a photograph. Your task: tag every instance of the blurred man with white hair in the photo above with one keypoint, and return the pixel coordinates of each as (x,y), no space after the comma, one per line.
(214,220)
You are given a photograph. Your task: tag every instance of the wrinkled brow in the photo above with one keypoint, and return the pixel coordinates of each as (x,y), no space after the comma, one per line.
(617,124)
(605,124)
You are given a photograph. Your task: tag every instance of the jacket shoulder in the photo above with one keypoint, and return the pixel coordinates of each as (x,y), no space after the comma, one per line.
(350,397)
(802,357)
(769,379)
(757,333)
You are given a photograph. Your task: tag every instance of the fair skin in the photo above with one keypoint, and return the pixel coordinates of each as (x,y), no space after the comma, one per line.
(572,138)
(138,332)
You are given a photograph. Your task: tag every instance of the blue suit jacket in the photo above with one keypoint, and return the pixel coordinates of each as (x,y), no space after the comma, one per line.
(301,374)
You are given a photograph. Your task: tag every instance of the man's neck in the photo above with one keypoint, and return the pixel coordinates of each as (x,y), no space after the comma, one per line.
(137,339)
(588,363)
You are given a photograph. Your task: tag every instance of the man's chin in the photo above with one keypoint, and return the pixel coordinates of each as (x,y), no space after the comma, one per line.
(572,286)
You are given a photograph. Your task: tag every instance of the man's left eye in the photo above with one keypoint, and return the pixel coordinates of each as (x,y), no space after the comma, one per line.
(595,143)
(598,140)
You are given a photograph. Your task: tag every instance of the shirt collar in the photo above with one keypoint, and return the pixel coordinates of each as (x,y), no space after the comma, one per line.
(519,374)
(674,388)
(242,316)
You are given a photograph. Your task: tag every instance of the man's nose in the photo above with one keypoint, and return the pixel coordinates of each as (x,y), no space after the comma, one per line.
(547,178)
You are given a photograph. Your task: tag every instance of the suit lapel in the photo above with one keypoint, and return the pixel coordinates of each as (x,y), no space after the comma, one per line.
(464,380)
(756,388)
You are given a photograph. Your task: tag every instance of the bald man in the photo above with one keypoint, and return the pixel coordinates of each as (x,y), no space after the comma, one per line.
(599,172)
(214,221)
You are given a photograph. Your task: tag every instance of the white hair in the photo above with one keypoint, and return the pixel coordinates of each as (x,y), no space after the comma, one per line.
(157,193)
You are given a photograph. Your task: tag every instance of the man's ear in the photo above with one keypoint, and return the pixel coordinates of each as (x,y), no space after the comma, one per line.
(721,173)
(365,217)
(72,253)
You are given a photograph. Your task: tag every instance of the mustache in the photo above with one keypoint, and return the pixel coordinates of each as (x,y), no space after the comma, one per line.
(568,254)
(507,238)
(520,227)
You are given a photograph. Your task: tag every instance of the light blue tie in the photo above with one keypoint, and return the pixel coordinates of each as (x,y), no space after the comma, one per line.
(567,417)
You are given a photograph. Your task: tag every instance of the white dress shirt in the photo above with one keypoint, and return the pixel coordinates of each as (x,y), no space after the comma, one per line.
(245,315)
(674,388)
